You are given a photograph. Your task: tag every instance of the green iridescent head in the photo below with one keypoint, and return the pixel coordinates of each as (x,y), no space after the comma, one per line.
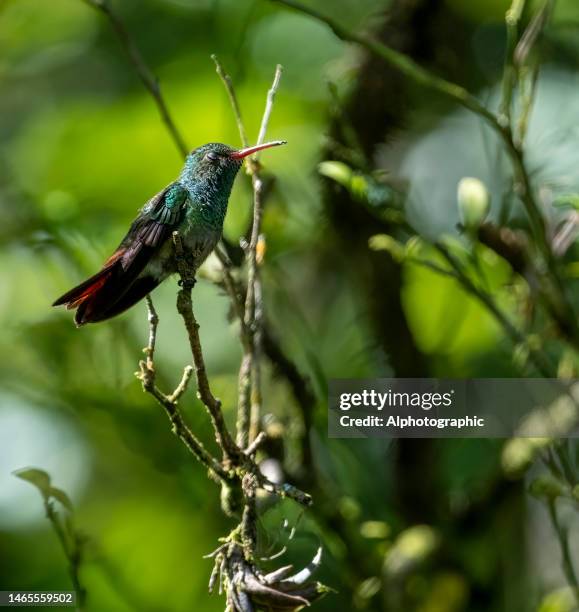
(211,168)
(212,159)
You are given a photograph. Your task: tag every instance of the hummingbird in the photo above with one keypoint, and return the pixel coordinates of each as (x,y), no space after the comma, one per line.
(193,205)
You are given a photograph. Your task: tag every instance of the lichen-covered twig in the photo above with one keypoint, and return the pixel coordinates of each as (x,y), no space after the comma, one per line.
(185,309)
(146,375)
(153,318)
(250,400)
(254,297)
(238,463)
(249,589)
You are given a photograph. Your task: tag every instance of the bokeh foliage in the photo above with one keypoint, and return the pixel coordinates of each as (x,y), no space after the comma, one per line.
(82,147)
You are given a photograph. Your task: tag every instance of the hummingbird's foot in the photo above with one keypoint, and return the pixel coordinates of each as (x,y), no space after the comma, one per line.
(187,284)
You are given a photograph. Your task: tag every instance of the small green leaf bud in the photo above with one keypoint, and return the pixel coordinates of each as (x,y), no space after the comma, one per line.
(547,487)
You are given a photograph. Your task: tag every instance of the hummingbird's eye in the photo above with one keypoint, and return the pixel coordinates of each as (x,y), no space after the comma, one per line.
(212,156)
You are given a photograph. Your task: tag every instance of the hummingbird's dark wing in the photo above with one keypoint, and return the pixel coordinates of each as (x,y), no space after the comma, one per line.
(122,282)
(157,220)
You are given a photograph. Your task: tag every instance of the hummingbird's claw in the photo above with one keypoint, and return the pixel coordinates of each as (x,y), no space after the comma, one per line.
(187,284)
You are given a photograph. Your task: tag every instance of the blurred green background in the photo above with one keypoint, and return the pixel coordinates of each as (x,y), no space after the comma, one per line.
(416,525)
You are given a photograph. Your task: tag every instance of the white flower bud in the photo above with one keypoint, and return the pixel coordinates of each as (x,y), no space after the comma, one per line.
(473,202)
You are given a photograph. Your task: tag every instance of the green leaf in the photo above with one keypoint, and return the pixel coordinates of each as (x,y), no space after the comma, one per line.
(567,200)
(414,246)
(62,497)
(354,182)
(337,171)
(454,245)
(39,478)
(368,588)
(374,530)
(363,187)
(519,453)
(561,600)
(412,547)
(384,242)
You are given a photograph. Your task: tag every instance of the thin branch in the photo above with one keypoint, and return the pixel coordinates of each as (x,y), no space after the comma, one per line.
(256,393)
(533,33)
(239,462)
(254,299)
(512,20)
(183,385)
(147,77)
(253,274)
(251,314)
(232,99)
(529,68)
(153,319)
(73,550)
(541,362)
(529,79)
(301,389)
(250,395)
(185,309)
(257,442)
(244,402)
(566,560)
(180,428)
(147,375)
(285,490)
(234,293)
(269,105)
(566,236)
(298,383)
(248,526)
(430,265)
(247,340)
